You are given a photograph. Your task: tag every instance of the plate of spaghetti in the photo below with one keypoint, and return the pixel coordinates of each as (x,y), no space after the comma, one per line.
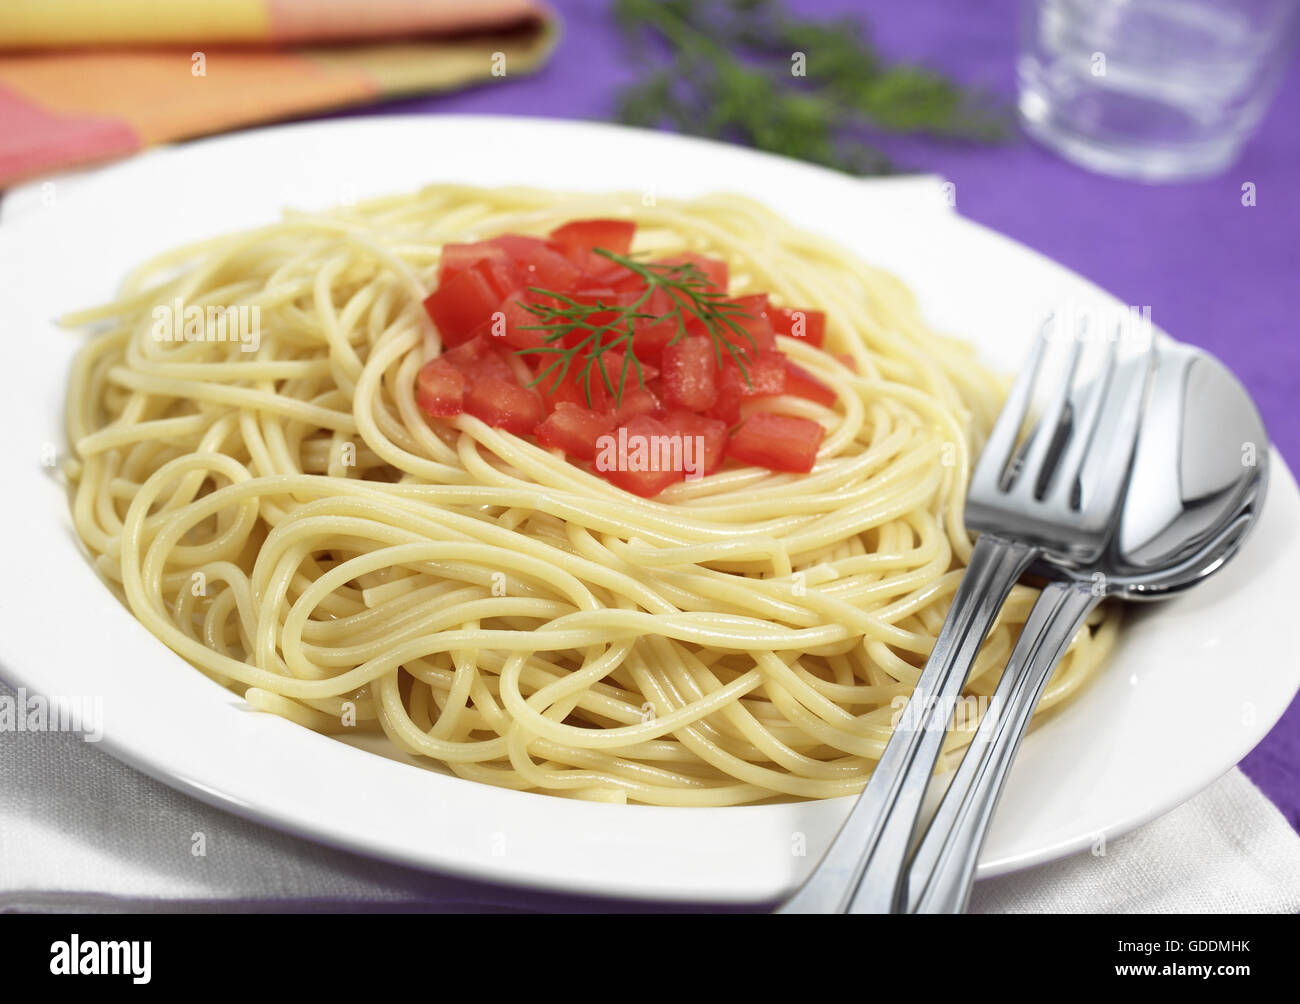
(555,503)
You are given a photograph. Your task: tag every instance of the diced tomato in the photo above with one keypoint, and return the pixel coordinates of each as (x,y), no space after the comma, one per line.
(650,338)
(574,429)
(712,435)
(553,389)
(612,235)
(549,269)
(514,326)
(504,279)
(578,241)
(597,270)
(647,484)
(571,388)
(714,269)
(505,405)
(614,367)
(642,481)
(465,303)
(755,327)
(766,376)
(597,297)
(456,258)
(682,385)
(690,374)
(807,325)
(801,383)
(518,247)
(847,360)
(627,281)
(637,401)
(777,442)
(652,335)
(727,408)
(539,263)
(479,358)
(440,389)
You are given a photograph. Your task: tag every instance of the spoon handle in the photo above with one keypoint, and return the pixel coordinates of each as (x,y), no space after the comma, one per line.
(942,871)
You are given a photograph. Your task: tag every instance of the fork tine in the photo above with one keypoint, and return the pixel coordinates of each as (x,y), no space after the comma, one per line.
(1006,430)
(1113,449)
(1067,474)
(1045,434)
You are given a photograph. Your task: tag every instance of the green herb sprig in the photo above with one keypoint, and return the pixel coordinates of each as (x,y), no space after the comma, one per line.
(732,75)
(689,291)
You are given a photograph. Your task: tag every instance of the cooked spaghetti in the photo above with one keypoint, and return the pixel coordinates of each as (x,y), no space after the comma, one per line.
(281,513)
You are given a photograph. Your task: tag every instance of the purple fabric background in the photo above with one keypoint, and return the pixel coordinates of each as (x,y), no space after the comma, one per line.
(1214,272)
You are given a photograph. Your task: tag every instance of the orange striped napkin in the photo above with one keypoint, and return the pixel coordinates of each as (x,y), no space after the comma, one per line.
(86,80)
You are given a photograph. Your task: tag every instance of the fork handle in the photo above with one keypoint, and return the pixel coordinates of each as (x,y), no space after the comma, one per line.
(862,872)
(943,869)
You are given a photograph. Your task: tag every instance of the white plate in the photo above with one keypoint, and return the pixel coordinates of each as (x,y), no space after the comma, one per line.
(1192,688)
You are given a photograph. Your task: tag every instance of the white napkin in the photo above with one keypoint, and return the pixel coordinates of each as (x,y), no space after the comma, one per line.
(1228,850)
(80,831)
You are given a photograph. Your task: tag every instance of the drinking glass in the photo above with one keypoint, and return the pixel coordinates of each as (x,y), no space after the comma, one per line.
(1160,90)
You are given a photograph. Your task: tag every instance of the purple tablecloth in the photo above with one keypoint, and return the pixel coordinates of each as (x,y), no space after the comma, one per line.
(1215,273)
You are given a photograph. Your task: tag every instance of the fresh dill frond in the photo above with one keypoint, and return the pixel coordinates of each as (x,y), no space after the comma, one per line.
(605,327)
(749,72)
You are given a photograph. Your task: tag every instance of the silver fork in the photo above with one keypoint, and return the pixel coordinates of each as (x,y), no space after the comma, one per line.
(1025,504)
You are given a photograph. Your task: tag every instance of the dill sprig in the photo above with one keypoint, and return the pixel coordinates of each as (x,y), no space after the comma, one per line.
(689,291)
(749,72)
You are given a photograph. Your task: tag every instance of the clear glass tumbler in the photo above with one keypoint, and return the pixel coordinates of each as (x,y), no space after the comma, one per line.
(1160,90)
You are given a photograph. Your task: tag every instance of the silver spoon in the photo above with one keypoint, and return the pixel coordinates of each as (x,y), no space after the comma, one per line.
(1195,490)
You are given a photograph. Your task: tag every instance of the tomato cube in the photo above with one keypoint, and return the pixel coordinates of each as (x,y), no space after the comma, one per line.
(574,429)
(755,334)
(727,408)
(612,235)
(577,241)
(651,335)
(714,269)
(777,442)
(505,405)
(647,484)
(644,458)
(807,325)
(440,389)
(690,374)
(479,358)
(801,383)
(571,387)
(539,263)
(465,303)
(456,258)
(637,401)
(710,438)
(764,376)
(624,280)
(516,326)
